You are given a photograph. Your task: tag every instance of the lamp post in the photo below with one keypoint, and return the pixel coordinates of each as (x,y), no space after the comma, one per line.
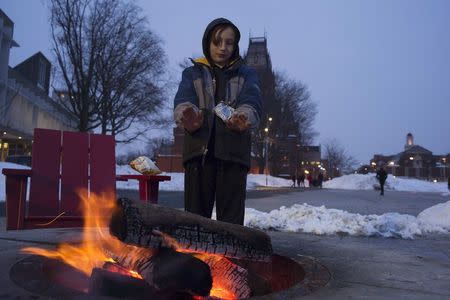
(266,147)
(266,152)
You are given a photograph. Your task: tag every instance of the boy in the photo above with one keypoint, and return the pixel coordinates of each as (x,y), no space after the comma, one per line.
(217,103)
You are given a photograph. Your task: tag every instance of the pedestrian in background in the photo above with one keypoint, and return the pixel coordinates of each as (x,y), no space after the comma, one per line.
(301,180)
(381,176)
(320,179)
(310,180)
(294,179)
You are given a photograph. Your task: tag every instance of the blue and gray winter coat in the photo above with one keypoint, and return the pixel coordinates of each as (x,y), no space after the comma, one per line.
(198,89)
(242,92)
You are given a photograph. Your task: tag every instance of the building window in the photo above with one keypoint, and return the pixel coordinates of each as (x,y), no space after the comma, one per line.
(42,73)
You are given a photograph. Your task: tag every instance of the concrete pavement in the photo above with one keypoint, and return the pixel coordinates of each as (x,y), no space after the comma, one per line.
(361,267)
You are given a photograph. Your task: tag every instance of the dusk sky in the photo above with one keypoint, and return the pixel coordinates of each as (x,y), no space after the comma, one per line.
(377,69)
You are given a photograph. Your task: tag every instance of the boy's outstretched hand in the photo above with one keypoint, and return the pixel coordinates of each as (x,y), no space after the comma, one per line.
(238,121)
(192,119)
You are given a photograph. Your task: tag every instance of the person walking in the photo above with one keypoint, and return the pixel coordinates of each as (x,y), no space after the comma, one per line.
(217,103)
(320,179)
(381,176)
(310,180)
(294,179)
(301,180)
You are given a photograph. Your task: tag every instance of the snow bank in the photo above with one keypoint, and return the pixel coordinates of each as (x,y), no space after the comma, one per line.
(367,182)
(320,220)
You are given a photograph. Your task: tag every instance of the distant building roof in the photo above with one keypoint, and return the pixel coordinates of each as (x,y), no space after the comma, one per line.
(416,149)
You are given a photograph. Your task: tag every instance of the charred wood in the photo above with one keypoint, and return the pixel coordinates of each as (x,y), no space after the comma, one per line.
(229,275)
(135,222)
(166,270)
(107,283)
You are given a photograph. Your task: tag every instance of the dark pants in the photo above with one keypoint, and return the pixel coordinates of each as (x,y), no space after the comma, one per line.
(382,187)
(218,180)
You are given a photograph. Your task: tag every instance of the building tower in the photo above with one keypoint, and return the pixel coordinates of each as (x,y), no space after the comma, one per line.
(258,58)
(409,141)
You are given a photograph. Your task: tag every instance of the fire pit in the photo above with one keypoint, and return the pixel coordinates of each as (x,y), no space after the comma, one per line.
(142,251)
(53,278)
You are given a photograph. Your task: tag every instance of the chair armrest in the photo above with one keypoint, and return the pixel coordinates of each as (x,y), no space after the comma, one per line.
(148,185)
(17,172)
(143,177)
(16,190)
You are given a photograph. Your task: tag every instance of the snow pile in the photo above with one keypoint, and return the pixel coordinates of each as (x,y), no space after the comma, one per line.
(257,180)
(352,182)
(368,181)
(437,217)
(320,220)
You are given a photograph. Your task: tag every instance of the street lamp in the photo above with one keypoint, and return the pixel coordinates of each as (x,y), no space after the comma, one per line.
(266,148)
(266,152)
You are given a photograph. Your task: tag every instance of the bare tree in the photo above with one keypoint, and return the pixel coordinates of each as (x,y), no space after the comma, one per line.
(289,115)
(130,71)
(337,160)
(76,28)
(297,111)
(110,62)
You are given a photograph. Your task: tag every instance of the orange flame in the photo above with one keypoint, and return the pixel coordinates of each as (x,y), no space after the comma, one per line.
(96,240)
(97,244)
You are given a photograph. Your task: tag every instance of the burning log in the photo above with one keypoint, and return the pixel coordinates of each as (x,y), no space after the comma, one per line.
(167,270)
(160,231)
(104,282)
(136,222)
(232,278)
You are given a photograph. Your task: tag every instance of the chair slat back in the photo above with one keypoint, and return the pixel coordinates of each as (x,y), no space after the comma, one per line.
(103,166)
(65,164)
(45,163)
(74,171)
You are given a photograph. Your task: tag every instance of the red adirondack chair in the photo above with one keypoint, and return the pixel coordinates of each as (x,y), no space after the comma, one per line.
(62,163)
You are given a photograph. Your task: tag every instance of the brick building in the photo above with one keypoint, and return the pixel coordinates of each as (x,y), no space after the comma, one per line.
(414,161)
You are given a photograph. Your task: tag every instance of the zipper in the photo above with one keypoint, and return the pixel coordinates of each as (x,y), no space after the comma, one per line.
(204,156)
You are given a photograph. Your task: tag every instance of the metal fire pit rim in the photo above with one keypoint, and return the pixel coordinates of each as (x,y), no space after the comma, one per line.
(311,282)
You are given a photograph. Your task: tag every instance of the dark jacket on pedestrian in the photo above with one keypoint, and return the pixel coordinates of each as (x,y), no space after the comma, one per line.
(381,175)
(238,86)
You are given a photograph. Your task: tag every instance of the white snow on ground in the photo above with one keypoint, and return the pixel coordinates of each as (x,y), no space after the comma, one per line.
(176,182)
(322,220)
(367,182)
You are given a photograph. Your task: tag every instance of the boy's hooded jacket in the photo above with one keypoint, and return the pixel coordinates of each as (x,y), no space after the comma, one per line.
(197,88)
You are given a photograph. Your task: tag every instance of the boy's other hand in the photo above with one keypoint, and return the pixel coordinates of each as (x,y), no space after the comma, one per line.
(238,122)
(192,119)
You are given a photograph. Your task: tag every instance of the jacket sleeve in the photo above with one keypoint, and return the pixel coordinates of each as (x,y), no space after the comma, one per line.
(250,99)
(185,95)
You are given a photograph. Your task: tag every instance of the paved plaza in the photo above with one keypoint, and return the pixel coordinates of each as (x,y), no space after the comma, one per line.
(361,267)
